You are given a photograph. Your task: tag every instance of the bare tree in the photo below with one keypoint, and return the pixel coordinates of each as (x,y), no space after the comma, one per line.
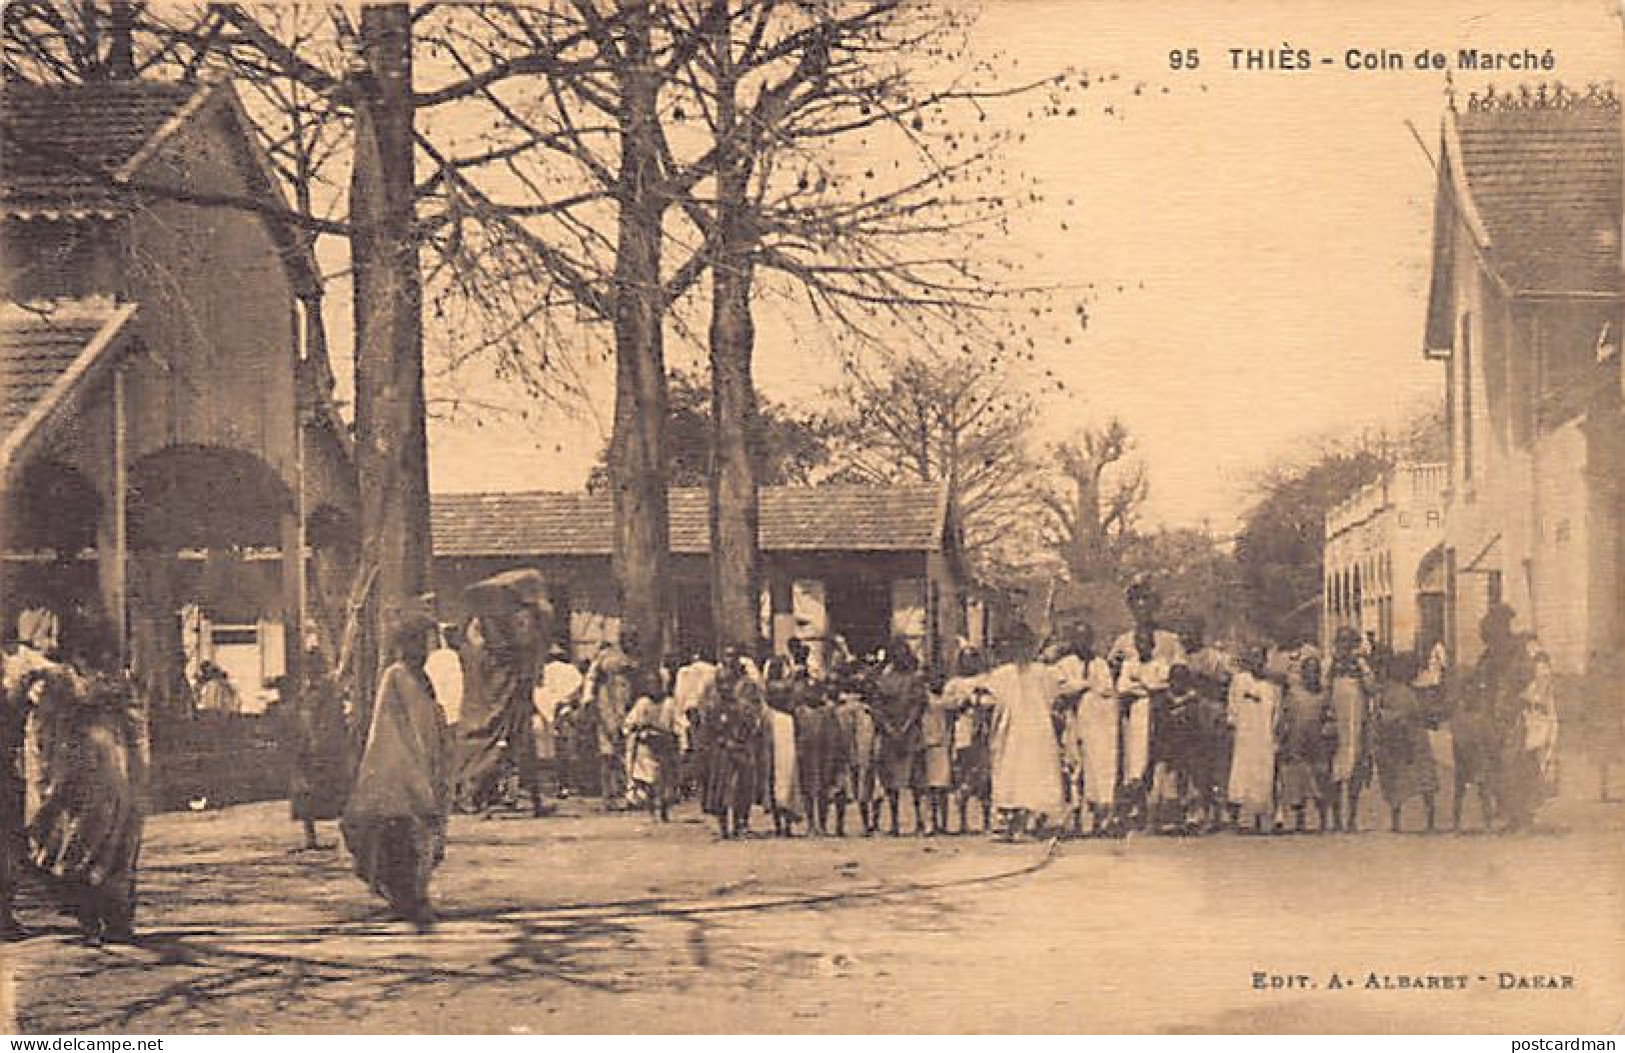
(365,79)
(782,91)
(1093,505)
(956,418)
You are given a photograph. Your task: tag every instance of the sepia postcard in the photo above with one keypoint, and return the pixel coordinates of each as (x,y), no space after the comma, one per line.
(579,517)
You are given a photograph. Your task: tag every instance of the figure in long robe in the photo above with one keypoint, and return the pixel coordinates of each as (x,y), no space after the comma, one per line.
(86,833)
(1351,686)
(316,740)
(1026,759)
(497,729)
(1404,759)
(394,824)
(784,767)
(609,690)
(21,679)
(1254,706)
(1504,677)
(900,699)
(733,737)
(1099,730)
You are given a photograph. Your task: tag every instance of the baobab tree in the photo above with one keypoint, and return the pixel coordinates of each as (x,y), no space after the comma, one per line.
(1093,503)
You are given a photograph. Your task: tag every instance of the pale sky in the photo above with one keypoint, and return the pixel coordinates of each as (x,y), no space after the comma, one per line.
(1269,231)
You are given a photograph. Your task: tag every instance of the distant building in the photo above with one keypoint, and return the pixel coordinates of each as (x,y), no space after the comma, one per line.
(1525,316)
(863,562)
(1382,561)
(154,374)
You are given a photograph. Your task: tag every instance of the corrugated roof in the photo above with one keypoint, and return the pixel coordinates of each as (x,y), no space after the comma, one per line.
(45,350)
(1545,180)
(54,139)
(845,518)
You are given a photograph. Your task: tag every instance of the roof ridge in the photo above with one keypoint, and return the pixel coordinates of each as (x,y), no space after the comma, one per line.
(205,92)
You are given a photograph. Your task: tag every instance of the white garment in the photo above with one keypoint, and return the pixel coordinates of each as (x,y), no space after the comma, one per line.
(695,682)
(1254,703)
(1026,760)
(1071,675)
(445,671)
(1540,715)
(786,776)
(560,680)
(1101,732)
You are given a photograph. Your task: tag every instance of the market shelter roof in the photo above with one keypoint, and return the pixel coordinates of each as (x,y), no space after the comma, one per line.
(837,518)
(48,353)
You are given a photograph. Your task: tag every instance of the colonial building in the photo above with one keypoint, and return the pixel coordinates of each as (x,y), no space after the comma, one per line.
(865,563)
(1524,316)
(1382,561)
(154,373)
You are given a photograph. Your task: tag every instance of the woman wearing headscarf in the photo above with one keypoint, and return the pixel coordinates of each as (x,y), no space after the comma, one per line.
(395,822)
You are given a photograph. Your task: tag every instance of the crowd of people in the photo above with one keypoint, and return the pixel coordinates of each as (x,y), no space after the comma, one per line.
(1157,731)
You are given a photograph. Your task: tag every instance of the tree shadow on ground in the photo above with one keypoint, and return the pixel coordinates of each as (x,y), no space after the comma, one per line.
(220,983)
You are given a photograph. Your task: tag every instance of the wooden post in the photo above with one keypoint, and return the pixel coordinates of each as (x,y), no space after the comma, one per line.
(121,524)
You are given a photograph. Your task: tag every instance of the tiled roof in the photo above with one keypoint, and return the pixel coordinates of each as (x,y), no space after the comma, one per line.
(102,127)
(45,349)
(1545,181)
(905,518)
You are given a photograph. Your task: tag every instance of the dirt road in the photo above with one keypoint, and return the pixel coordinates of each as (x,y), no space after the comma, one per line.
(592,923)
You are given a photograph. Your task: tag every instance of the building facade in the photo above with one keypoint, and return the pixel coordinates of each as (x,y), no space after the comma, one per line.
(1382,560)
(865,563)
(1523,316)
(168,447)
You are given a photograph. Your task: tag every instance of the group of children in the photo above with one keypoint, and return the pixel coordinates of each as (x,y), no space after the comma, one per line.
(1157,732)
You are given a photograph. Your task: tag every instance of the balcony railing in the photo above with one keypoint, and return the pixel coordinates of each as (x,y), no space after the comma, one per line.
(1416,485)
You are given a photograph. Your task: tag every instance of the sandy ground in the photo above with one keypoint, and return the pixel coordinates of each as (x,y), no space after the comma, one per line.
(584,922)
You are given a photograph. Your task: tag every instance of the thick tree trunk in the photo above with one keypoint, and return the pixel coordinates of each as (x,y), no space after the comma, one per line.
(391,447)
(120,45)
(735,557)
(637,447)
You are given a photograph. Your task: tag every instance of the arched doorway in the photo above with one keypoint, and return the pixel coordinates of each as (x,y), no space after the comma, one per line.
(208,529)
(48,539)
(1430,600)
